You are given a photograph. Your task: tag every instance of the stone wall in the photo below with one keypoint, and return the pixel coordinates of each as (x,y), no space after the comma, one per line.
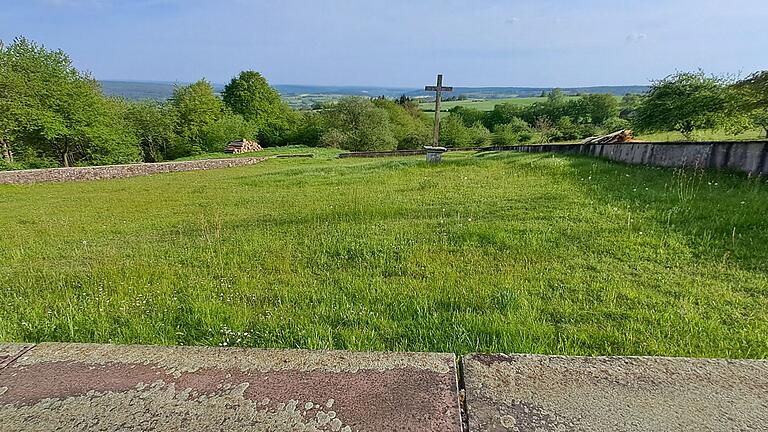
(117,171)
(374,154)
(746,156)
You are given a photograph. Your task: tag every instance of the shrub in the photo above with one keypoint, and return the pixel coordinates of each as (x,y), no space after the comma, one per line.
(566,130)
(356,124)
(453,132)
(517,131)
(479,135)
(231,127)
(407,123)
(615,124)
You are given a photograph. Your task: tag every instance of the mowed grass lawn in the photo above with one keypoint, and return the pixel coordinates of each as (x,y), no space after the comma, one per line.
(496,252)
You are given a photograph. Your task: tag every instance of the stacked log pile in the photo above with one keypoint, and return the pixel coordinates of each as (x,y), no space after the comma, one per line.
(622,136)
(242,146)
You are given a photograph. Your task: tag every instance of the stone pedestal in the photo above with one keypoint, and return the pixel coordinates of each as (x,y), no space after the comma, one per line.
(435,154)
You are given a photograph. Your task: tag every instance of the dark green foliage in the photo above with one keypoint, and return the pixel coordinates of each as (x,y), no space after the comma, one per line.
(454,133)
(685,102)
(753,91)
(407,125)
(153,125)
(230,127)
(196,106)
(469,116)
(566,130)
(356,124)
(759,118)
(545,129)
(515,132)
(629,105)
(309,129)
(52,114)
(600,107)
(616,124)
(250,96)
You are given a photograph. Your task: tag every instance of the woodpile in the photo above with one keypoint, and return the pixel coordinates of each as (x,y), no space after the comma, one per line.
(622,136)
(242,146)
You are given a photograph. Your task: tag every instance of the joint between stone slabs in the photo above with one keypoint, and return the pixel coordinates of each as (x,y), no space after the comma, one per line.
(17,356)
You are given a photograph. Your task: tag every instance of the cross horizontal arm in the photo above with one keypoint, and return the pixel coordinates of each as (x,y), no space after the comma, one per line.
(435,88)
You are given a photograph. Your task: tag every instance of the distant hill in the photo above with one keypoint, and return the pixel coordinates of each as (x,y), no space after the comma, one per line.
(303,96)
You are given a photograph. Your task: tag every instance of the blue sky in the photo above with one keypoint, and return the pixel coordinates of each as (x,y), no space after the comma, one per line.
(399,42)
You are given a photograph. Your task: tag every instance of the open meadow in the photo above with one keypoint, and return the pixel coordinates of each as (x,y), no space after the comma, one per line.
(484,252)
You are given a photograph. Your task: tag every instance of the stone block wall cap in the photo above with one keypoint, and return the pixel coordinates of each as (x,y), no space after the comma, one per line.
(435,149)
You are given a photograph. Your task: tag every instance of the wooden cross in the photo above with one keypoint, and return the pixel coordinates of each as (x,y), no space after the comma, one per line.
(438,89)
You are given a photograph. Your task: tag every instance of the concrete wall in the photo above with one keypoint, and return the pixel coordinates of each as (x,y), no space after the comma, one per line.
(117,171)
(747,156)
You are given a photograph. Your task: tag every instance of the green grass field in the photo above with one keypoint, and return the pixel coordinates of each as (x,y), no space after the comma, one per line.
(483,105)
(494,252)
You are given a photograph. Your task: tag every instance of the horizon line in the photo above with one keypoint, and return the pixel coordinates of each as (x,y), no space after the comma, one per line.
(385,87)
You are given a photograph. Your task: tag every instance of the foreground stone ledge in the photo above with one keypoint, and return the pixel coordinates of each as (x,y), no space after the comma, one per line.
(108,387)
(118,171)
(543,393)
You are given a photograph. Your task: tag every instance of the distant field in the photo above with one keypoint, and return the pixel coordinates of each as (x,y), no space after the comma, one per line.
(483,105)
(493,252)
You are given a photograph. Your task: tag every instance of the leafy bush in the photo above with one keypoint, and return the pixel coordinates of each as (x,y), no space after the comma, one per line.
(309,130)
(515,132)
(231,127)
(566,130)
(356,124)
(479,135)
(408,125)
(453,132)
(615,124)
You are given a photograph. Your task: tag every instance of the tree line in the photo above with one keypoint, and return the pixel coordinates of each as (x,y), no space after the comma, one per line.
(686,102)
(52,115)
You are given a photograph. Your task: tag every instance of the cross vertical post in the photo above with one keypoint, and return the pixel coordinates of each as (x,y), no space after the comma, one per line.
(438,89)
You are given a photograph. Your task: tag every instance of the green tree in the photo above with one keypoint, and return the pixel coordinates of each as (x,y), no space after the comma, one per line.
(409,127)
(753,91)
(195,107)
(566,130)
(479,135)
(684,102)
(356,124)
(250,96)
(228,128)
(52,113)
(759,117)
(556,97)
(545,129)
(505,113)
(153,125)
(615,124)
(453,132)
(514,132)
(600,107)
(469,116)
(629,104)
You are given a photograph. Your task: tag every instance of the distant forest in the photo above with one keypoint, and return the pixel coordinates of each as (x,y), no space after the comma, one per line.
(161,91)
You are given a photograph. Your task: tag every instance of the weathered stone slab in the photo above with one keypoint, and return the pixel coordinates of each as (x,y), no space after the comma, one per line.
(107,387)
(540,393)
(10,351)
